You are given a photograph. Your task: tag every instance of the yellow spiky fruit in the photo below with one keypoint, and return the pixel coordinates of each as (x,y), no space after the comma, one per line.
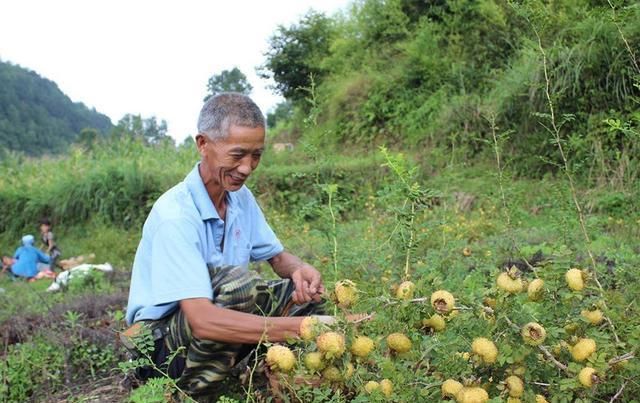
(583,349)
(399,343)
(594,317)
(541,399)
(280,358)
(362,346)
(472,395)
(485,349)
(331,344)
(386,386)
(435,322)
(308,328)
(349,369)
(332,374)
(490,302)
(450,388)
(346,293)
(535,289)
(371,386)
(533,334)
(405,290)
(588,377)
(509,284)
(442,301)
(515,386)
(575,279)
(313,361)
(518,370)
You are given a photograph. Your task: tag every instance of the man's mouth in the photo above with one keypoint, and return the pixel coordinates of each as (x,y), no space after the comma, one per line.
(237,180)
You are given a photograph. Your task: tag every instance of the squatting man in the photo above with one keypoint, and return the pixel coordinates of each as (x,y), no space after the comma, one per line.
(190,284)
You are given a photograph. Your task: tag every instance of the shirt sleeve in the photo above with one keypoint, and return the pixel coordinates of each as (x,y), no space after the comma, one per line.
(264,242)
(42,257)
(178,270)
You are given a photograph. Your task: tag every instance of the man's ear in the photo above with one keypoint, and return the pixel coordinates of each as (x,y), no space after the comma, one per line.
(201,142)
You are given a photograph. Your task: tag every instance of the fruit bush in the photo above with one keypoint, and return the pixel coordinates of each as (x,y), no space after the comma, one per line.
(519,335)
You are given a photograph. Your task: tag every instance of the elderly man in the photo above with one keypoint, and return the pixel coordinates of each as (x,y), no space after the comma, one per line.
(190,282)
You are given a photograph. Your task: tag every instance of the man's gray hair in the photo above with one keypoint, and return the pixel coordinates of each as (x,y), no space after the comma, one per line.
(226,109)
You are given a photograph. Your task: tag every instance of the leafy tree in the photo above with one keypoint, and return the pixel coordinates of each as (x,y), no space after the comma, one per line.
(281,113)
(232,80)
(149,131)
(296,53)
(87,138)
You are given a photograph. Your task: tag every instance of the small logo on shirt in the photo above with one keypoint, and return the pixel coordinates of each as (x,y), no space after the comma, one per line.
(237,233)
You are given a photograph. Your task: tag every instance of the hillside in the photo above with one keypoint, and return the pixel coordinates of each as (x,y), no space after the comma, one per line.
(36,117)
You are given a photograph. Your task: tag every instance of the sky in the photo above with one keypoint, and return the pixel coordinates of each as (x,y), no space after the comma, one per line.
(151,58)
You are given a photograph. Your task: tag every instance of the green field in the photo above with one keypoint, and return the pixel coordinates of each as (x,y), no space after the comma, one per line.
(390,218)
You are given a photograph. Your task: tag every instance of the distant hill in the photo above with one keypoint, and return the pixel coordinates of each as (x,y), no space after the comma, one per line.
(36,117)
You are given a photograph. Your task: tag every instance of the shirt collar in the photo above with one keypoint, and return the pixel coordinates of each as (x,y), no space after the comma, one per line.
(202,200)
(200,196)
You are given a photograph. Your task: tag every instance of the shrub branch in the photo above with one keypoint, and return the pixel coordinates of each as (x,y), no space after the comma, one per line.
(555,131)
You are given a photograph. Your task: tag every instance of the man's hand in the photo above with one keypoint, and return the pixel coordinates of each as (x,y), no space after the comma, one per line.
(307,280)
(308,284)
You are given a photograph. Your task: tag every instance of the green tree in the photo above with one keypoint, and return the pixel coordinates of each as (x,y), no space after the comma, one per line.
(87,138)
(149,131)
(281,113)
(232,80)
(296,53)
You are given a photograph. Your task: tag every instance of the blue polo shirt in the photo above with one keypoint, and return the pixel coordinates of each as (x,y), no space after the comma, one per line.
(182,234)
(28,258)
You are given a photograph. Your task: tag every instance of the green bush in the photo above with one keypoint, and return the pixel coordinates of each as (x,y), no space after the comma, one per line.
(30,367)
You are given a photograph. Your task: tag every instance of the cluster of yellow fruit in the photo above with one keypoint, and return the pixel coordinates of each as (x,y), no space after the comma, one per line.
(511,282)
(330,364)
(331,344)
(534,334)
(514,385)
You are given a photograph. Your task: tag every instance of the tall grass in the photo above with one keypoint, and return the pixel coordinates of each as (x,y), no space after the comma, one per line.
(118,183)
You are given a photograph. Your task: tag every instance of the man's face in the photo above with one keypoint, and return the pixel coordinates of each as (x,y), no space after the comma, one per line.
(229,162)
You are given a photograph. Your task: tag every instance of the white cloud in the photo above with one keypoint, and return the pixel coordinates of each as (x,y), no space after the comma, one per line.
(146,57)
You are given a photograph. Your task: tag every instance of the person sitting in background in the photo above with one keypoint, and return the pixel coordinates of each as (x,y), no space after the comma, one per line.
(24,262)
(50,246)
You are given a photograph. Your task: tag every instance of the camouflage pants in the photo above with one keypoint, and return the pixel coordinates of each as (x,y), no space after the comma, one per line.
(204,363)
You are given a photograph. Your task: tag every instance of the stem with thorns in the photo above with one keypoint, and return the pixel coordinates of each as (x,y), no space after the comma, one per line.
(411,239)
(624,39)
(334,252)
(574,194)
(496,149)
(618,393)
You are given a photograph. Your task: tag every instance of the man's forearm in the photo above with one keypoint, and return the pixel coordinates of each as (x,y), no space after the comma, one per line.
(284,264)
(210,322)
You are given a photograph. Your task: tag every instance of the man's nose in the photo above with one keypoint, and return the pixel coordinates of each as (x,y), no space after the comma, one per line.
(246,166)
